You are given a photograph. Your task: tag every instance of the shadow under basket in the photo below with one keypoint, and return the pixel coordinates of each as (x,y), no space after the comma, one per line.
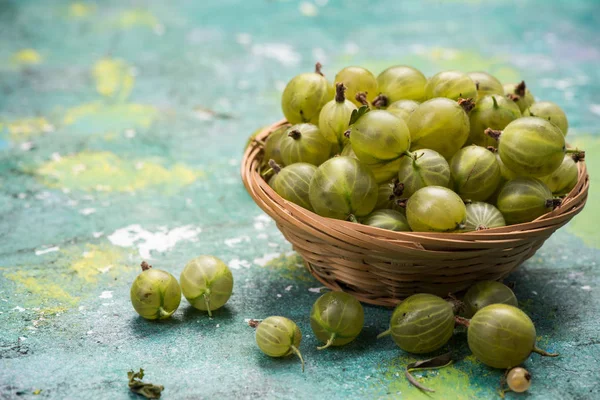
(382,267)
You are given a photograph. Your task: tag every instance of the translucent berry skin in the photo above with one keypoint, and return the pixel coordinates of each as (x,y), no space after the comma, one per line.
(387,219)
(523,102)
(358,79)
(506,173)
(531,146)
(484,293)
(439,124)
(334,120)
(309,146)
(273,145)
(402,83)
(518,380)
(403,108)
(342,187)
(384,171)
(493,112)
(523,200)
(275,336)
(435,209)
(422,323)
(501,336)
(486,84)
(423,168)
(452,85)
(482,216)
(155,294)
(564,178)
(551,112)
(207,283)
(338,316)
(292,183)
(379,136)
(475,173)
(304,97)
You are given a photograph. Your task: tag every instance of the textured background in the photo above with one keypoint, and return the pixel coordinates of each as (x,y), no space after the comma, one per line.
(122,125)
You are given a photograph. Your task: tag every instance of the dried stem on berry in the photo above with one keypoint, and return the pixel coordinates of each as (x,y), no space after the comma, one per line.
(398,188)
(295,134)
(466,104)
(494,134)
(340,97)
(318,67)
(520,89)
(361,97)
(276,167)
(347,133)
(553,203)
(492,149)
(457,305)
(578,156)
(145,266)
(462,321)
(380,101)
(513,97)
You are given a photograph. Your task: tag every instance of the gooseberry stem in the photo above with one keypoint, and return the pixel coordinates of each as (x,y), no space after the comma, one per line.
(543,352)
(381,101)
(413,381)
(466,104)
(520,89)
(495,102)
(577,155)
(162,312)
(145,266)
(352,218)
(492,149)
(318,67)
(274,166)
(347,133)
(462,321)
(340,97)
(297,352)
(267,172)
(361,97)
(329,342)
(207,301)
(553,203)
(382,334)
(295,134)
(457,305)
(494,134)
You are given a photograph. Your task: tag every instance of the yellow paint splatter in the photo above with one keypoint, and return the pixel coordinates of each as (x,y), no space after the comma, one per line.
(104,171)
(27,57)
(290,267)
(137,17)
(102,116)
(114,78)
(97,260)
(81,10)
(43,287)
(24,129)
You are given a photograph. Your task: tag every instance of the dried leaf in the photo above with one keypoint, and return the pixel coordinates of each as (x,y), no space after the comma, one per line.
(433,363)
(356,114)
(148,390)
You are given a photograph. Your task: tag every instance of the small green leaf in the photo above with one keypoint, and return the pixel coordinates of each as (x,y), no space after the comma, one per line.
(356,114)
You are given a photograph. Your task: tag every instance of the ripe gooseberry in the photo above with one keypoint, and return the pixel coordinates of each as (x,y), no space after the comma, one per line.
(422,168)
(530,146)
(335,117)
(279,337)
(206,283)
(484,293)
(439,124)
(384,171)
(565,177)
(379,136)
(518,380)
(452,85)
(525,199)
(502,336)
(550,111)
(304,97)
(358,80)
(336,318)
(481,216)
(435,209)
(343,188)
(422,323)
(387,219)
(519,93)
(273,145)
(402,108)
(292,182)
(155,294)
(493,112)
(475,173)
(389,195)
(304,143)
(400,83)
(486,84)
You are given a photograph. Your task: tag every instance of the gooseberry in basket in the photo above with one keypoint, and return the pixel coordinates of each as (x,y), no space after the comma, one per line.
(400,82)
(206,283)
(435,209)
(486,84)
(358,80)
(304,97)
(550,111)
(387,219)
(403,108)
(484,293)
(481,216)
(273,145)
(335,117)
(390,195)
(292,182)
(422,168)
(493,112)
(475,173)
(304,143)
(279,337)
(519,93)
(155,294)
(452,85)
(565,177)
(525,199)
(336,319)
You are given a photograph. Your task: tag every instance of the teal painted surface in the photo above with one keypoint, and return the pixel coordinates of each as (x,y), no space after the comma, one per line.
(108,156)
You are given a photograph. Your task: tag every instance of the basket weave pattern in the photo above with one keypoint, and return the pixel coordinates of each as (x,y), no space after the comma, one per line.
(382,267)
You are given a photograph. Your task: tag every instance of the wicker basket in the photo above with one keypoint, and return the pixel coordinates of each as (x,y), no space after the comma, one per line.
(381,267)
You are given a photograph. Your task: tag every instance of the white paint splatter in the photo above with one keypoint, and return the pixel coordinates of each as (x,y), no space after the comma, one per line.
(316,289)
(278,295)
(282,52)
(231,242)
(288,288)
(97,234)
(218,325)
(595,108)
(87,211)
(26,146)
(107,294)
(89,332)
(130,133)
(55,157)
(146,241)
(233,162)
(243,38)
(236,263)
(586,288)
(271,244)
(262,261)
(262,236)
(534,292)
(308,9)
(321,3)
(47,250)
(105,269)
(19,309)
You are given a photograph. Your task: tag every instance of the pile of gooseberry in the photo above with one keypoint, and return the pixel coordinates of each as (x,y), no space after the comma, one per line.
(457,152)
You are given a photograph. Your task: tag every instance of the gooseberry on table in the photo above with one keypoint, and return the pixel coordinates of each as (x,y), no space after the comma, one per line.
(452,85)
(435,209)
(292,182)
(304,97)
(336,318)
(304,143)
(475,172)
(484,293)
(207,283)
(481,216)
(155,294)
(279,337)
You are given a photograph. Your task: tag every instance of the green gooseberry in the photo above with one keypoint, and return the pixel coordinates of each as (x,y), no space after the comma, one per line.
(384,171)
(292,182)
(502,336)
(525,199)
(387,219)
(348,152)
(452,85)
(273,145)
(279,337)
(484,293)
(422,323)
(206,283)
(155,294)
(304,143)
(506,173)
(475,172)
(358,80)
(440,124)
(481,216)
(343,188)
(519,93)
(550,111)
(565,177)
(530,146)
(304,97)
(403,109)
(486,84)
(335,117)
(494,112)
(435,209)
(422,168)
(379,136)
(400,82)
(336,318)
(390,196)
